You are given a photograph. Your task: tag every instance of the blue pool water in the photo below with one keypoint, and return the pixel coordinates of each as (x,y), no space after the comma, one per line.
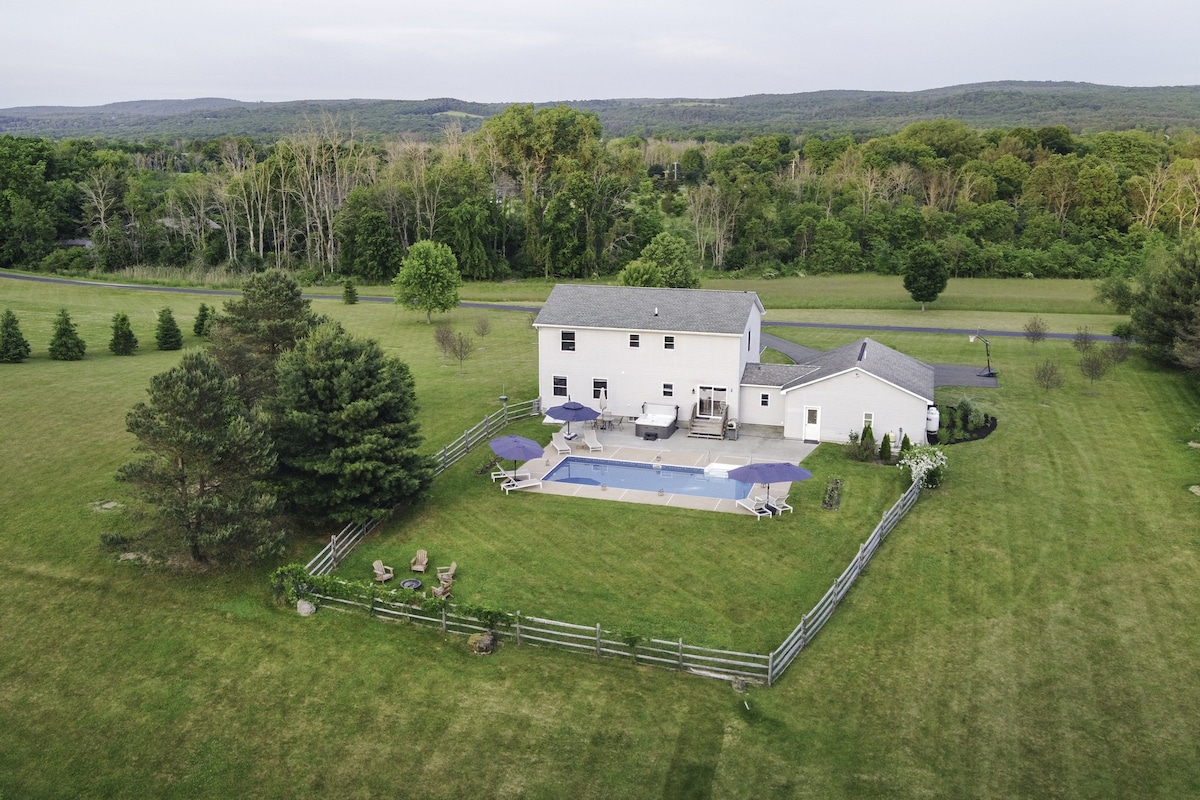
(647,478)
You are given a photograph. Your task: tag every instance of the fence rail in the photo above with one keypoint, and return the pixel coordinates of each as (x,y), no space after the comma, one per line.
(814,620)
(708,662)
(471,437)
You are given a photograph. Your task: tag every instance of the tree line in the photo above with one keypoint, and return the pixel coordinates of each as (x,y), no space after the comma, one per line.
(542,193)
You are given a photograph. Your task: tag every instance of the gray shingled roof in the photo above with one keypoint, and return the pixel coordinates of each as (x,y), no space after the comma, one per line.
(633,308)
(778,375)
(879,360)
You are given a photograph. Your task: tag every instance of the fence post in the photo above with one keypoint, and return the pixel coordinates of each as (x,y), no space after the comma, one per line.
(770,668)
(681,654)
(333,551)
(443,619)
(518,628)
(597,640)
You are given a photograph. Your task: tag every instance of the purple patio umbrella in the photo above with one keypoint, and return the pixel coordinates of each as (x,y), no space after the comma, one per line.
(769,472)
(572,411)
(518,448)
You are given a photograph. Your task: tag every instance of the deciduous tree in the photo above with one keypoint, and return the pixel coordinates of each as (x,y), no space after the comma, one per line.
(428,279)
(926,275)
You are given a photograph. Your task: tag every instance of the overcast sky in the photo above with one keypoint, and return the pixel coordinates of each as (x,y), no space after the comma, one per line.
(69,52)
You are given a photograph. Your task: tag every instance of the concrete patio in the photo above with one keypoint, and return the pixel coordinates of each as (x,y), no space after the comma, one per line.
(622,444)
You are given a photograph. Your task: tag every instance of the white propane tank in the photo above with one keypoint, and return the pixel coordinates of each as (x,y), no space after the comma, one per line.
(932,418)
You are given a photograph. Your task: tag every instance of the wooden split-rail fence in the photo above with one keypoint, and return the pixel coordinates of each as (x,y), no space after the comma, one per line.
(593,639)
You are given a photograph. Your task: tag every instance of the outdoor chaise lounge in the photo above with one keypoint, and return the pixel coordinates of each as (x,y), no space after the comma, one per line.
(530,483)
(383,573)
(780,504)
(446,574)
(419,562)
(756,506)
(589,438)
(559,442)
(510,475)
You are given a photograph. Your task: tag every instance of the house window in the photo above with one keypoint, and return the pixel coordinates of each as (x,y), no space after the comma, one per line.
(868,420)
(560,386)
(635,340)
(568,340)
(599,385)
(668,343)
(668,390)
(764,400)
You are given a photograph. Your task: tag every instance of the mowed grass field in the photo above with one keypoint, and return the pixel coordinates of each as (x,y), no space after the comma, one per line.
(1028,631)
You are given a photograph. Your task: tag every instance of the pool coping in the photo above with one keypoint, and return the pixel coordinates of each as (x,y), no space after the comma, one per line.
(551,458)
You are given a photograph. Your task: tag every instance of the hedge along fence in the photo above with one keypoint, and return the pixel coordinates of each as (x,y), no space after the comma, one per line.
(295,581)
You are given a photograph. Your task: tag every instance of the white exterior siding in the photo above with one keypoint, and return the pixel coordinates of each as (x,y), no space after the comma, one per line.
(753,412)
(636,375)
(844,398)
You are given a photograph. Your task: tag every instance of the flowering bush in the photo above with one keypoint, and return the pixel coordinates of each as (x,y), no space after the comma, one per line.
(926,463)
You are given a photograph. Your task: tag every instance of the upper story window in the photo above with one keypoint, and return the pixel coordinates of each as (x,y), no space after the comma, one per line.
(568,340)
(635,340)
(668,390)
(764,400)
(668,343)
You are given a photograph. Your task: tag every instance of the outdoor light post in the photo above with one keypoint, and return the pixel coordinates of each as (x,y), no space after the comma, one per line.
(988,372)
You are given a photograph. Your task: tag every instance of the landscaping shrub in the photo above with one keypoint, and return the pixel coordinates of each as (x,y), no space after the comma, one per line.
(349,292)
(927,465)
(885,448)
(167,335)
(65,344)
(123,342)
(14,348)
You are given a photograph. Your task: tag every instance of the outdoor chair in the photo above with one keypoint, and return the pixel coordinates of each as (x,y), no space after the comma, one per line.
(589,438)
(442,590)
(420,561)
(510,475)
(560,443)
(383,573)
(756,506)
(446,574)
(530,483)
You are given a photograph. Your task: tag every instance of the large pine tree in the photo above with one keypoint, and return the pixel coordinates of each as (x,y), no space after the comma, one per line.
(207,462)
(346,429)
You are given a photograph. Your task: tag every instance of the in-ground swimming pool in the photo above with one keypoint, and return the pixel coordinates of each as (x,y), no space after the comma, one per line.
(647,478)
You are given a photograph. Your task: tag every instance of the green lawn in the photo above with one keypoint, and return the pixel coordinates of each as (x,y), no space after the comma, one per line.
(1028,631)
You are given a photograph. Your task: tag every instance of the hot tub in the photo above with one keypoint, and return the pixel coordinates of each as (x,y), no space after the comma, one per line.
(657,419)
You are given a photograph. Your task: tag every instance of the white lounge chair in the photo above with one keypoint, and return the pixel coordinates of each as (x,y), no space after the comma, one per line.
(510,475)
(589,438)
(560,443)
(780,504)
(508,486)
(756,506)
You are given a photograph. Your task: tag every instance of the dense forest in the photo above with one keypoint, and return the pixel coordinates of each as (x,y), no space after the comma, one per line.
(541,192)
(1082,107)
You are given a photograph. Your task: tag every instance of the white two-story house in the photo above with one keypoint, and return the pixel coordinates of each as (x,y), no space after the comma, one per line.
(696,351)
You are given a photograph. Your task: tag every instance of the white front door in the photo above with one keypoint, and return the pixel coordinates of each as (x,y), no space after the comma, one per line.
(812,424)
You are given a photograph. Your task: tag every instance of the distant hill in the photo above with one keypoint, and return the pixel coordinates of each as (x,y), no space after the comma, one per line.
(1082,107)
